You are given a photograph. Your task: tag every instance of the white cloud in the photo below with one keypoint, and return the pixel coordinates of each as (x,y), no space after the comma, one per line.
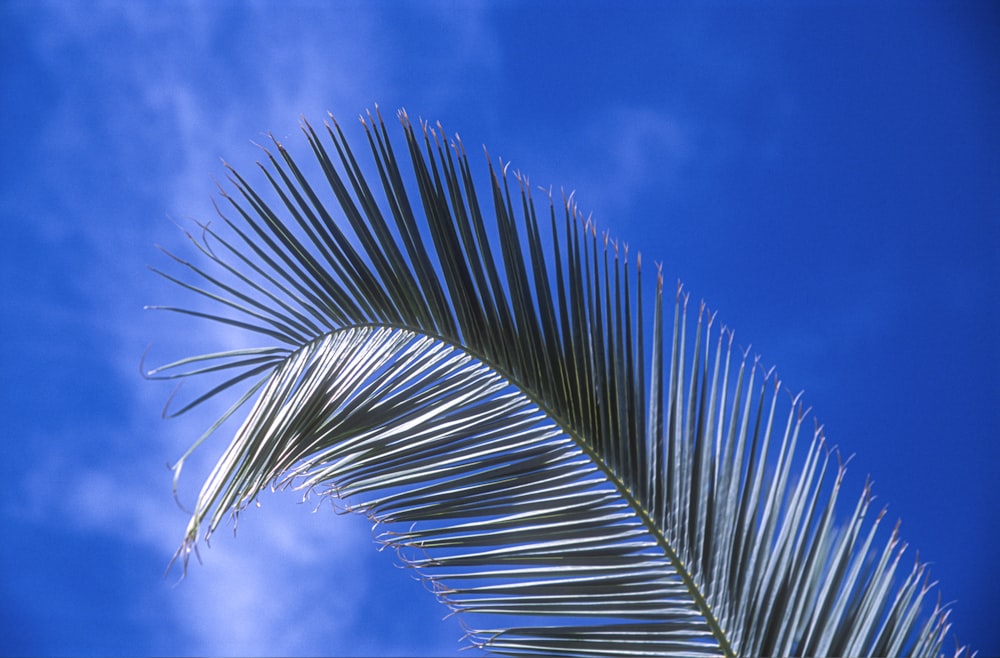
(291,582)
(644,145)
(256,595)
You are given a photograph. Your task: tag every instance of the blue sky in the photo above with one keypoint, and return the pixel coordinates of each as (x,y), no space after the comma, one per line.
(826,176)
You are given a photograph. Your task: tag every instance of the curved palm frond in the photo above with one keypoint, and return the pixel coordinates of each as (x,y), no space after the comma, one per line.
(489,393)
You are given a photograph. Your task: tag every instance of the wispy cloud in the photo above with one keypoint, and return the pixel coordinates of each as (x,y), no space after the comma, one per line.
(292,583)
(642,146)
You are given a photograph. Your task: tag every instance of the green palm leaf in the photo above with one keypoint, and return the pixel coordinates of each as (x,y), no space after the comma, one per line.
(493,394)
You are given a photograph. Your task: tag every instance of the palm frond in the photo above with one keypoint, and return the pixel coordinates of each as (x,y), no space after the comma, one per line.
(480,380)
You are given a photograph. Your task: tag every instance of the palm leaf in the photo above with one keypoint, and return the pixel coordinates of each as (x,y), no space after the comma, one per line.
(480,380)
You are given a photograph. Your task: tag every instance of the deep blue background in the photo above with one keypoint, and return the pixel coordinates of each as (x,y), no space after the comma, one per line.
(826,176)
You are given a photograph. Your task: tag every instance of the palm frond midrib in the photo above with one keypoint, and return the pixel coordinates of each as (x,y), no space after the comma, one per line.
(624,490)
(561,325)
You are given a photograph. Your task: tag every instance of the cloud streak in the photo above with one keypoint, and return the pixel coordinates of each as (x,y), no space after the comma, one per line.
(293,583)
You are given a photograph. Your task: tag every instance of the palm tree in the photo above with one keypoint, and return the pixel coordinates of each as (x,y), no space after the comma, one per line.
(492,387)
